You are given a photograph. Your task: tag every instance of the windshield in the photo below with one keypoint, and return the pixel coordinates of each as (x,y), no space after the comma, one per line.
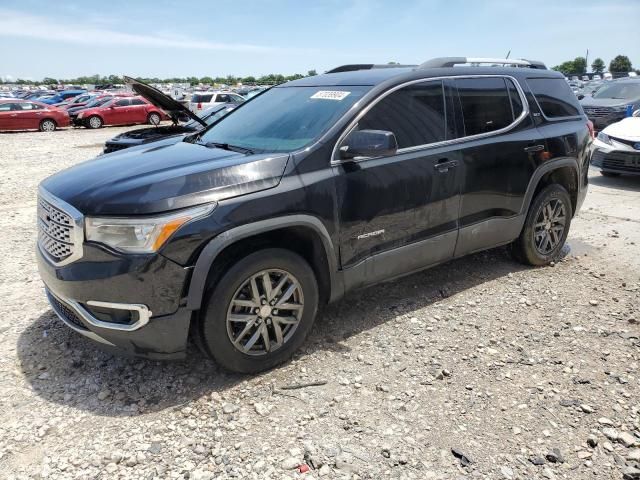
(619,90)
(284,119)
(99,101)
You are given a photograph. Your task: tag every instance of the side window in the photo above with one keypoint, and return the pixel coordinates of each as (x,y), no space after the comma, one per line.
(5,107)
(137,101)
(122,103)
(514,96)
(486,105)
(415,114)
(236,98)
(222,97)
(554,97)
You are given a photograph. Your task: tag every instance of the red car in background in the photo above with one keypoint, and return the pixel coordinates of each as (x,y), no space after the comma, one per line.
(16,114)
(121,111)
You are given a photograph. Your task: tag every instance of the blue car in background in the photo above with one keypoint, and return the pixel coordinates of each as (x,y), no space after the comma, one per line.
(62,96)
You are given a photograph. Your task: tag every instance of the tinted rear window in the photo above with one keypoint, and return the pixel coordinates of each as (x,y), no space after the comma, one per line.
(201,98)
(554,97)
(486,104)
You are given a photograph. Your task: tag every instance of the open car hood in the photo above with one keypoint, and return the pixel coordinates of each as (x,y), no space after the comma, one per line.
(173,108)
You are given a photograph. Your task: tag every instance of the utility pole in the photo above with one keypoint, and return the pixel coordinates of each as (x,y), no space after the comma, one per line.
(586,60)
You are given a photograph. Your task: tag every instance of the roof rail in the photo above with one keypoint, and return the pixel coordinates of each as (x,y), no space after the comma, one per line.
(365,66)
(442,62)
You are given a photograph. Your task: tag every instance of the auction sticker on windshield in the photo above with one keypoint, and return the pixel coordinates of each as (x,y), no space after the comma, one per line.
(330,95)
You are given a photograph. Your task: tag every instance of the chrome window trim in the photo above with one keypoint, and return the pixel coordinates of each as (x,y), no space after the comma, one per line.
(78,228)
(335,159)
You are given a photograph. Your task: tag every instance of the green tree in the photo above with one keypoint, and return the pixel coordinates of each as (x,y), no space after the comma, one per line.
(312,73)
(207,80)
(49,81)
(620,64)
(598,65)
(249,79)
(565,67)
(579,65)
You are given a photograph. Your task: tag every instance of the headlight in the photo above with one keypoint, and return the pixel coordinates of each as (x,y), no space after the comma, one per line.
(636,113)
(143,234)
(604,138)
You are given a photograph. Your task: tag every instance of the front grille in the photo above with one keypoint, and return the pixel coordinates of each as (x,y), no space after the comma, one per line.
(616,160)
(56,232)
(65,311)
(598,111)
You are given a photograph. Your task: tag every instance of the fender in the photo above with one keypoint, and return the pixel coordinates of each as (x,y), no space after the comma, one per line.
(540,172)
(219,243)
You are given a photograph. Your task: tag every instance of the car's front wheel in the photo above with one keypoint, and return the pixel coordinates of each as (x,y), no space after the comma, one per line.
(47,125)
(546,227)
(94,122)
(260,311)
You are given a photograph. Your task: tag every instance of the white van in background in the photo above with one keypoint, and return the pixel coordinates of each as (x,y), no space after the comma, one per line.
(203,100)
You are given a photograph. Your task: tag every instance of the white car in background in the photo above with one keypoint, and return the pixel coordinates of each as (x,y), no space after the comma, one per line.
(203,100)
(616,149)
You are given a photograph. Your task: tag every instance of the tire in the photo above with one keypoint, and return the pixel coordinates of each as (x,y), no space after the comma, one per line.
(94,122)
(250,321)
(541,239)
(47,125)
(606,173)
(153,119)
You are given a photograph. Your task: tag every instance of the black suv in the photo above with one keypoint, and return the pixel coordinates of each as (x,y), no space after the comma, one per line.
(309,190)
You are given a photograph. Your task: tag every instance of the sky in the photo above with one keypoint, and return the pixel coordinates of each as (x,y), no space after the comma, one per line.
(162,38)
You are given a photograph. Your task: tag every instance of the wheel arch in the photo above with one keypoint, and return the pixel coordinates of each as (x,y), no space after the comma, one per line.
(563,171)
(48,118)
(306,235)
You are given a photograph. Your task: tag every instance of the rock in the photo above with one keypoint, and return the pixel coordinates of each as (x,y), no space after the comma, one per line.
(507,472)
(555,456)
(155,448)
(230,408)
(325,471)
(261,409)
(592,441)
(593,303)
(627,439)
(586,408)
(464,458)
(386,451)
(536,460)
(610,433)
(344,462)
(605,421)
(634,455)
(631,473)
(583,455)
(289,463)
(607,446)
(104,394)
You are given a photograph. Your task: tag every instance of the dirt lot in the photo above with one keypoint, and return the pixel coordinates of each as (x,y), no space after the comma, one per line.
(476,369)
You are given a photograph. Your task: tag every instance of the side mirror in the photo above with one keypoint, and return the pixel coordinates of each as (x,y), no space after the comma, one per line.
(369,143)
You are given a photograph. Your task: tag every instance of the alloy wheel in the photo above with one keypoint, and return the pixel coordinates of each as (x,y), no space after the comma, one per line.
(549,227)
(265,312)
(48,126)
(95,122)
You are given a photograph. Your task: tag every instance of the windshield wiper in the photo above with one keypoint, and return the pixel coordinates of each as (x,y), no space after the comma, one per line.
(227,146)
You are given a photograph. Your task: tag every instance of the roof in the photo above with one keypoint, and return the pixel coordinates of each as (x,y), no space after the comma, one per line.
(373,77)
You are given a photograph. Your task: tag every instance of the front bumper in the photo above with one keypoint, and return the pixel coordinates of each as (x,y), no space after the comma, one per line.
(616,159)
(129,302)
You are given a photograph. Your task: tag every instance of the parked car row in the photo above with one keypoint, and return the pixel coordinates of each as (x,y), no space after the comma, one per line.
(612,102)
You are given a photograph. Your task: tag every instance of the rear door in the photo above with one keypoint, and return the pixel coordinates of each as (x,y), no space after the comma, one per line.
(501,147)
(400,213)
(118,112)
(31,115)
(7,117)
(138,111)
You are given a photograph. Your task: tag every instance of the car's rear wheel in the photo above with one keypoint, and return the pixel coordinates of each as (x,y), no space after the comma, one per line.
(153,119)
(94,122)
(606,173)
(260,311)
(47,125)
(546,227)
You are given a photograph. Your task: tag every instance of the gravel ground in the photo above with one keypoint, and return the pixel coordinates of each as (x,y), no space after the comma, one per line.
(480,368)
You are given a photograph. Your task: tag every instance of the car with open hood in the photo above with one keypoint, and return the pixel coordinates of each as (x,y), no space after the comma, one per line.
(316,187)
(616,149)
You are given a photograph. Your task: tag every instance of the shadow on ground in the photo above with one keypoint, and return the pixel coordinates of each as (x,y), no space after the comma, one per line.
(619,183)
(68,369)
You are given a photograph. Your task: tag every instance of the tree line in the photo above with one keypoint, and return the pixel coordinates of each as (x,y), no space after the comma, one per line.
(578,66)
(270,79)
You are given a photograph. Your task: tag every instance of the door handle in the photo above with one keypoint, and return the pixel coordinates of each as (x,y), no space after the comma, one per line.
(534,148)
(444,165)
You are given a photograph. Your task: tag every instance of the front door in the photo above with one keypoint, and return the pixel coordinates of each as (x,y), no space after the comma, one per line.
(400,213)
(118,113)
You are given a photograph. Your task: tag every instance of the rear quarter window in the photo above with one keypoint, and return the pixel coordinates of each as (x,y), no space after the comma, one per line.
(201,98)
(486,104)
(555,97)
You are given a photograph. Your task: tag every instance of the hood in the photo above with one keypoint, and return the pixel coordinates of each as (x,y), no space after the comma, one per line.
(602,102)
(162,101)
(626,129)
(163,176)
(153,133)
